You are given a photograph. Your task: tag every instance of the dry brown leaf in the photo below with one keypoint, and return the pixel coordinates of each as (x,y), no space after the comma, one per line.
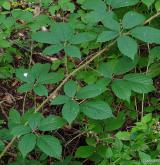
(37,11)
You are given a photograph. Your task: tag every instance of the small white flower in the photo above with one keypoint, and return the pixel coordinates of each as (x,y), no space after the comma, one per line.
(44,29)
(25,74)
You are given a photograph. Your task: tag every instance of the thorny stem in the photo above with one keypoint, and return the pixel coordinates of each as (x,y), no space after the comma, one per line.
(77,136)
(116,160)
(152,18)
(143,96)
(53,94)
(7,147)
(135,101)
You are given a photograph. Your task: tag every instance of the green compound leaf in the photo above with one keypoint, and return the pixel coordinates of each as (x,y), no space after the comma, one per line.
(2,145)
(45,37)
(50,78)
(139,83)
(122,3)
(39,69)
(6,5)
(93,17)
(84,151)
(157,5)
(60,100)
(123,135)
(50,145)
(110,22)
(83,37)
(98,8)
(154,55)
(70,111)
(131,49)
(132,82)
(154,70)
(90,91)
(70,88)
(107,36)
(25,75)
(14,116)
(4,43)
(121,89)
(20,130)
(27,144)
(34,120)
(98,110)
(62,31)
(53,49)
(41,90)
(25,87)
(136,18)
(146,34)
(143,157)
(148,3)
(114,67)
(94,5)
(66,5)
(51,123)
(115,123)
(72,51)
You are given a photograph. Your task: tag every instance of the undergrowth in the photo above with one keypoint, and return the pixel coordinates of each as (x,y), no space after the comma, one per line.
(79,82)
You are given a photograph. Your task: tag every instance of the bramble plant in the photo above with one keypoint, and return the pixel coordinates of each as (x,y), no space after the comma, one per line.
(79,82)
